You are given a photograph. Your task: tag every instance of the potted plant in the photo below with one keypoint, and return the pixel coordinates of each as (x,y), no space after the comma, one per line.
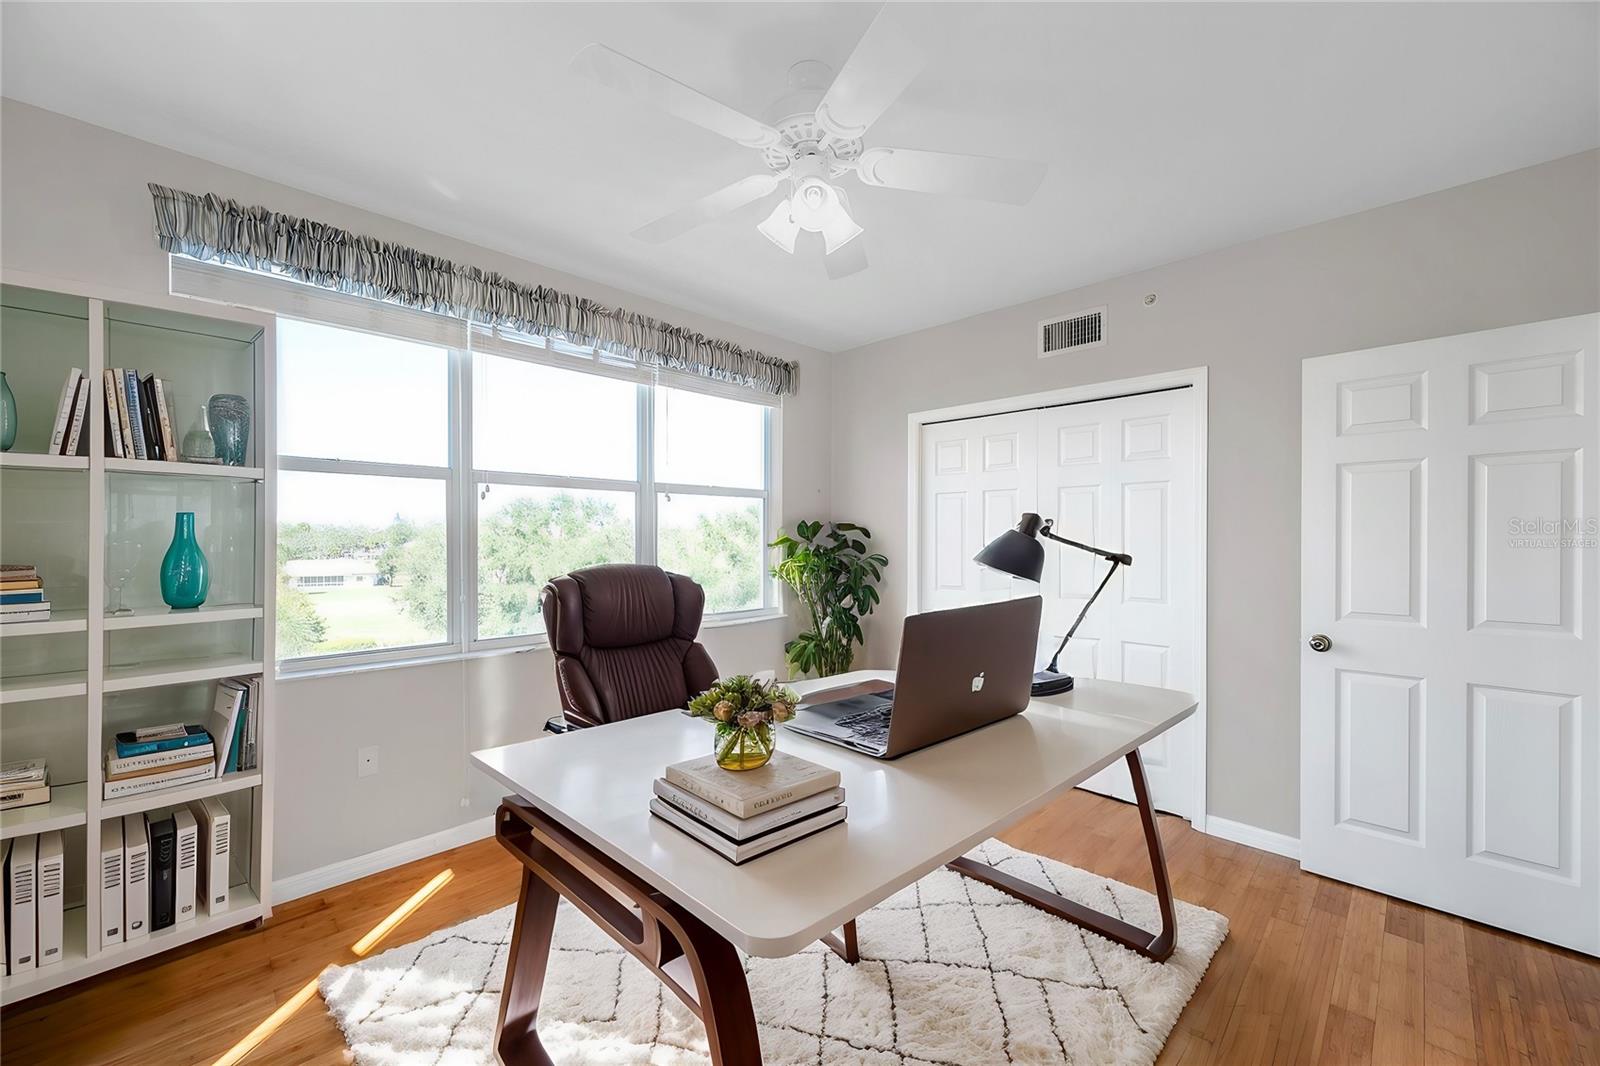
(834,575)
(745,711)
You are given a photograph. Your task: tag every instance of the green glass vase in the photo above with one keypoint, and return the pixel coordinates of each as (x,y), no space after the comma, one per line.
(185,574)
(8,415)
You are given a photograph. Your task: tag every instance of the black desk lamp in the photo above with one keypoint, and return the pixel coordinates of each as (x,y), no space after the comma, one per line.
(1018,552)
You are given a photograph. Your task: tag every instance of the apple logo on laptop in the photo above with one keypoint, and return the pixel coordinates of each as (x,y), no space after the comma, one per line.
(977,682)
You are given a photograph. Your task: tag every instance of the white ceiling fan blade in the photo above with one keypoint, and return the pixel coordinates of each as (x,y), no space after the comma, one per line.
(632,78)
(726,199)
(888,57)
(980,177)
(850,259)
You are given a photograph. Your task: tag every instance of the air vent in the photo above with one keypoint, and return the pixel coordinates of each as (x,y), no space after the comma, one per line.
(1086,329)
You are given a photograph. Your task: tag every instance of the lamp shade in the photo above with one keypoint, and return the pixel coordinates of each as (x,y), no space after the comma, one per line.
(1016,551)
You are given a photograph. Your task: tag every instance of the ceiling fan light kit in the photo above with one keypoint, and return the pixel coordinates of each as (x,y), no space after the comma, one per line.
(814,141)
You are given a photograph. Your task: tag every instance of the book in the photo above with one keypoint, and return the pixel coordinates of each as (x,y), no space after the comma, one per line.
(69,396)
(117,766)
(23,771)
(14,796)
(110,882)
(138,786)
(745,828)
(223,724)
(21,584)
(188,839)
(132,743)
(113,420)
(130,392)
(41,613)
(124,426)
(736,851)
(21,888)
(27,596)
(80,410)
(784,779)
(194,757)
(17,571)
(151,421)
(135,878)
(216,831)
(52,896)
(169,443)
(163,871)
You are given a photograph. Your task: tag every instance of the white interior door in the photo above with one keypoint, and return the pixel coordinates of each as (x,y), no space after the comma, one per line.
(977,477)
(1120,474)
(1449,748)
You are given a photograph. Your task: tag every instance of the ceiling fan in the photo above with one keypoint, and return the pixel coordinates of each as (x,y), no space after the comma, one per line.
(815,139)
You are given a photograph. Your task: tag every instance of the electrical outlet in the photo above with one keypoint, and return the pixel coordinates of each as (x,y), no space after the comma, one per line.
(367,761)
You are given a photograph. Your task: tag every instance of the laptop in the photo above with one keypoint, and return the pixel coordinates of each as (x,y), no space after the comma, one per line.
(959,670)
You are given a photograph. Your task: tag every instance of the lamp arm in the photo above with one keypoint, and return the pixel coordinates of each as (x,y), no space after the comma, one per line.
(1116,560)
(1115,557)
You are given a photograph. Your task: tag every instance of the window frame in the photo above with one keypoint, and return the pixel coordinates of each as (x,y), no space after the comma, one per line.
(462,479)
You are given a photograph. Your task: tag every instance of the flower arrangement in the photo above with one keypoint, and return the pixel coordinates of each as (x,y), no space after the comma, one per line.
(745,712)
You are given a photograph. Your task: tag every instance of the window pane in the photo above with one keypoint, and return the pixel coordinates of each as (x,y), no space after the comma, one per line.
(534,419)
(707,440)
(718,541)
(349,395)
(361,563)
(526,536)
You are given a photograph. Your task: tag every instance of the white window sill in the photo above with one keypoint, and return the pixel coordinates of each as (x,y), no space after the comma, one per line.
(312,671)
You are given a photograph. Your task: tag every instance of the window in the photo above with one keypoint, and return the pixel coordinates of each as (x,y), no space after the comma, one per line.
(364,493)
(555,458)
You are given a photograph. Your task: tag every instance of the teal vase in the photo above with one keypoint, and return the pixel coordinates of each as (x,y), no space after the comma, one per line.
(185,574)
(8,415)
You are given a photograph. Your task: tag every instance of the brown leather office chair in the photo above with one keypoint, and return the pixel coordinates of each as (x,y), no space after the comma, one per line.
(624,642)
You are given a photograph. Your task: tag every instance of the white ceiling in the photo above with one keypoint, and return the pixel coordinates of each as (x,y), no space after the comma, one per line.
(1169,130)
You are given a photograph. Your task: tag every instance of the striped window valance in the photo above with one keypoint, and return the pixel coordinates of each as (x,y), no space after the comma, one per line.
(226,231)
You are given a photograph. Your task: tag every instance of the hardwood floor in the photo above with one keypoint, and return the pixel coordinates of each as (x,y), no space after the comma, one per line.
(1312,972)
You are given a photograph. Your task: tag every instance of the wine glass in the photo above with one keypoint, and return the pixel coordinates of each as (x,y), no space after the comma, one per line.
(122,559)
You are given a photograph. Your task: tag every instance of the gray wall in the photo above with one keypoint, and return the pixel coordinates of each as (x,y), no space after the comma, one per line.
(1516,248)
(73,205)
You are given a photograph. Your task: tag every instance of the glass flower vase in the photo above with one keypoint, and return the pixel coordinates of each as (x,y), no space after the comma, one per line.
(738,747)
(198,447)
(8,415)
(229,417)
(185,574)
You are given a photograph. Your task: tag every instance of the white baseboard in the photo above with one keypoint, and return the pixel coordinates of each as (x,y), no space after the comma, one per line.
(338,873)
(1254,837)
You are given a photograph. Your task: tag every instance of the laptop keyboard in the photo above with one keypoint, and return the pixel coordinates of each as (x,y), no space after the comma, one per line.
(870,726)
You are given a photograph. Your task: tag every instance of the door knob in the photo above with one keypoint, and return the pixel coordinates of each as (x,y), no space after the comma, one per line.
(1319,642)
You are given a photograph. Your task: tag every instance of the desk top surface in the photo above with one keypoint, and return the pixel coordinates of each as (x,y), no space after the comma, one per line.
(907,817)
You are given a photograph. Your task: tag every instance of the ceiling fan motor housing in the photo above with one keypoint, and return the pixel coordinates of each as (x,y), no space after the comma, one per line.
(794,116)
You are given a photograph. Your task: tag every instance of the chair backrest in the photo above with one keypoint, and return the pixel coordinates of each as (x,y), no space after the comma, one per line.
(624,641)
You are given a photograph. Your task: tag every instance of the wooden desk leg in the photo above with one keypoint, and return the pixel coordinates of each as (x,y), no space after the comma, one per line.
(845,948)
(516,1034)
(1156,946)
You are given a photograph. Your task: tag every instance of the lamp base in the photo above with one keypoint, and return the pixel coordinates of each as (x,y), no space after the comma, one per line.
(1047,683)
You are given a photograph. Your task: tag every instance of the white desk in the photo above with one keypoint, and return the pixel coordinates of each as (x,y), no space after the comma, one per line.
(581,824)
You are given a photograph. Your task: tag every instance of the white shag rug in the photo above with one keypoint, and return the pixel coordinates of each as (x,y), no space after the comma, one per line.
(952,973)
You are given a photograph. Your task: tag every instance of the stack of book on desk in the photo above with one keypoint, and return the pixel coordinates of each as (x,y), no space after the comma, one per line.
(147,760)
(24,783)
(22,594)
(742,814)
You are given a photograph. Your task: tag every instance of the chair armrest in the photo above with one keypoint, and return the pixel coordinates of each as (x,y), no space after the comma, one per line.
(558,725)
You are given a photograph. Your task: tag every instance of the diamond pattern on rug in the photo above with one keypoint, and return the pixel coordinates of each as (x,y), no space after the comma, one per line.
(952,973)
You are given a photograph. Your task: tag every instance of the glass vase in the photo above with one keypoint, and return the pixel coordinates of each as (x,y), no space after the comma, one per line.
(185,574)
(8,415)
(198,447)
(229,417)
(738,747)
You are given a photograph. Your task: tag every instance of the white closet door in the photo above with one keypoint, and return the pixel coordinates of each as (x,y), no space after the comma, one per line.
(977,478)
(1120,474)
(1449,746)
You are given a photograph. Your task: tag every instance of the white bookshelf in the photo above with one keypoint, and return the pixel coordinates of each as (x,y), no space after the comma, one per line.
(69,683)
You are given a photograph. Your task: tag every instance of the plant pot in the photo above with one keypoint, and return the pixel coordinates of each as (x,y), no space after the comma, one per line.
(738,747)
(185,574)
